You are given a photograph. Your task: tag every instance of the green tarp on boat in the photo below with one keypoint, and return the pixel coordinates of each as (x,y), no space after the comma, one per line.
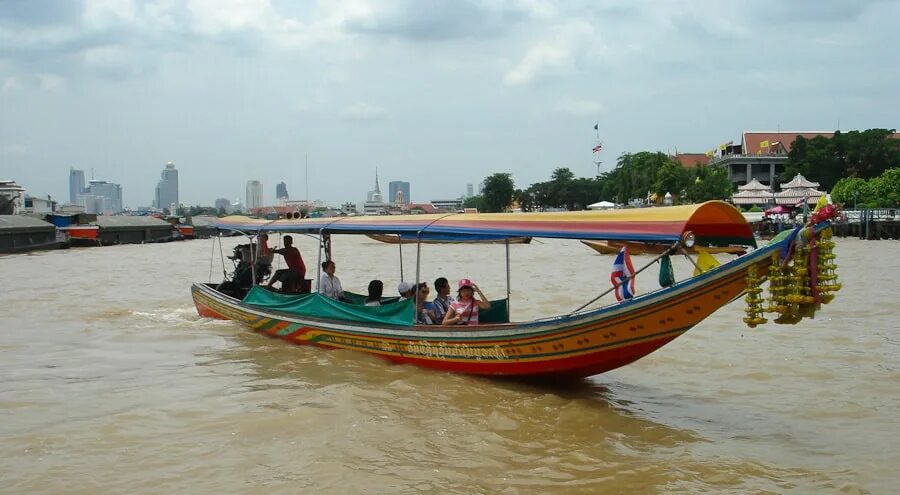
(391,312)
(318,306)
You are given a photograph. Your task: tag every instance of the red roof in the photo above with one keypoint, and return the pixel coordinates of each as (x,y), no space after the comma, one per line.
(783,139)
(692,159)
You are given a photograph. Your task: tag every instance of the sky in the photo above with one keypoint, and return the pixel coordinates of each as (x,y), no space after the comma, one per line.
(439,93)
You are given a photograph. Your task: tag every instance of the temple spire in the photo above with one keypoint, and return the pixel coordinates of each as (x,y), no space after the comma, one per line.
(377,189)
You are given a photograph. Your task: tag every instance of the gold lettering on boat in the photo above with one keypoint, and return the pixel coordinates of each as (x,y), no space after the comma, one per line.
(445,350)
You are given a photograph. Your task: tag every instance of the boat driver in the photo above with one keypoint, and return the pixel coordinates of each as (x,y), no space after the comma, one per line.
(292,276)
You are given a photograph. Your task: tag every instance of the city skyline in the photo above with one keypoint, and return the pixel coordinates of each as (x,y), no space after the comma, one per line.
(459,91)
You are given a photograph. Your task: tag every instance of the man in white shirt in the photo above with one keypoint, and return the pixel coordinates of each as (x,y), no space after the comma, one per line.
(329,284)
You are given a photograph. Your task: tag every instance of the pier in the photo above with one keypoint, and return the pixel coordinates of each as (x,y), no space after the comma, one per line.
(869,224)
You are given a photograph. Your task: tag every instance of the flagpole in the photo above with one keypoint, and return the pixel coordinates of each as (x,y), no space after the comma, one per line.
(625,280)
(597,161)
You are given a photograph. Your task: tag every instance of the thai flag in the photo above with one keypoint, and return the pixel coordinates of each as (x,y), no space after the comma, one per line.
(622,276)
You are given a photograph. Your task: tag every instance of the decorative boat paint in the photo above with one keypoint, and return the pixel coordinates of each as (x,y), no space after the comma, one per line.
(636,248)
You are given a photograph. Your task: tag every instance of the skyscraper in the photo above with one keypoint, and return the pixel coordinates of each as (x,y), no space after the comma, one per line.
(101,197)
(254,194)
(281,193)
(76,186)
(470,190)
(401,187)
(167,187)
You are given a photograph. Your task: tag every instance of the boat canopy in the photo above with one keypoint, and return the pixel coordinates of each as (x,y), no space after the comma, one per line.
(714,223)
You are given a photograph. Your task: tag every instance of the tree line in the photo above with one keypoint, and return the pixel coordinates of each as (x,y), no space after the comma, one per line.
(636,175)
(859,165)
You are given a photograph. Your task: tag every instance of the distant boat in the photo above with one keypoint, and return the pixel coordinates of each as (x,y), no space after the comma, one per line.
(411,239)
(613,247)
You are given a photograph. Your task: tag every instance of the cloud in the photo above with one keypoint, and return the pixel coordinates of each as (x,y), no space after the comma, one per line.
(580,108)
(555,54)
(431,20)
(15,150)
(363,112)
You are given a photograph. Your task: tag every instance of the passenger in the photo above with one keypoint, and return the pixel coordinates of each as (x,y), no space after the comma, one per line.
(424,315)
(293,276)
(443,300)
(464,311)
(329,284)
(407,290)
(376,287)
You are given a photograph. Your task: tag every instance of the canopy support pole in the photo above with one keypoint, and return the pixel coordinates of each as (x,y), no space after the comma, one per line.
(253,254)
(418,274)
(222,257)
(671,249)
(400,245)
(318,262)
(508,312)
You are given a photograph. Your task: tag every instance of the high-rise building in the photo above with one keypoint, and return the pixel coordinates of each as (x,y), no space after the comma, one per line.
(470,190)
(223,205)
(398,192)
(76,186)
(254,194)
(167,188)
(281,193)
(102,198)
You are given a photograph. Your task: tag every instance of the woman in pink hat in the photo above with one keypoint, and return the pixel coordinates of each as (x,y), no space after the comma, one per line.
(464,311)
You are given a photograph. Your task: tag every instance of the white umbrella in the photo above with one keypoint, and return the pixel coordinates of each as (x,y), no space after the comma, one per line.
(601,205)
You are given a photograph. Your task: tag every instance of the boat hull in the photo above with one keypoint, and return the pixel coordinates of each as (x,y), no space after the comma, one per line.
(578,345)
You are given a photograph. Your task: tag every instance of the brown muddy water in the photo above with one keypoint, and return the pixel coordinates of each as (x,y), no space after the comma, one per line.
(110,383)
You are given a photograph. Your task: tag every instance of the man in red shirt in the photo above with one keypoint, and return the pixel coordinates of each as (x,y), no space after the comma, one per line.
(292,276)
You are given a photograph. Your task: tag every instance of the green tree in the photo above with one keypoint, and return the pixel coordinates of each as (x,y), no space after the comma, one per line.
(879,192)
(865,154)
(476,202)
(708,183)
(671,177)
(497,191)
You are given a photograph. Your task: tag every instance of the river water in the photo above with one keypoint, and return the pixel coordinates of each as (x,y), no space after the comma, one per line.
(112,384)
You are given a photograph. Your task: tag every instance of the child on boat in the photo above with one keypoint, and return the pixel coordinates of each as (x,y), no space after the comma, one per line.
(464,311)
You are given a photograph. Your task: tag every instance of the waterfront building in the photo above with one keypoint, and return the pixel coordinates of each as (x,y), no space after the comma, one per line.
(76,186)
(752,194)
(398,192)
(167,188)
(348,208)
(760,155)
(448,204)
(102,198)
(281,193)
(39,206)
(470,190)
(254,194)
(12,197)
(798,191)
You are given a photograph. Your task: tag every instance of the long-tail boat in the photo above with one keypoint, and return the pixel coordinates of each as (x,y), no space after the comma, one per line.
(578,343)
